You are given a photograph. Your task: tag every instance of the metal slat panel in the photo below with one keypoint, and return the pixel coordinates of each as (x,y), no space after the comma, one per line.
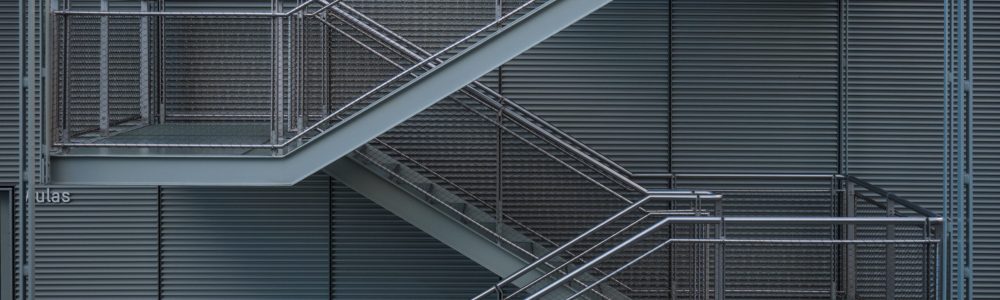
(754,86)
(377,255)
(102,245)
(9,86)
(894,98)
(604,80)
(987,149)
(754,90)
(246,243)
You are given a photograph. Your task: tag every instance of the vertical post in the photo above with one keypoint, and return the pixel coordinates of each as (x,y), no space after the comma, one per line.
(64,105)
(144,63)
(29,95)
(276,75)
(720,253)
(497,13)
(890,252)
(849,268)
(161,45)
(104,118)
(325,46)
(835,206)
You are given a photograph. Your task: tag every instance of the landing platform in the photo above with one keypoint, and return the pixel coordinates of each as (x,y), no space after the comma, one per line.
(204,138)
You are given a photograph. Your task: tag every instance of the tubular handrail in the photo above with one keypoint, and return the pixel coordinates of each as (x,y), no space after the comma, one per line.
(890,196)
(521,116)
(719,220)
(586,234)
(400,49)
(186,13)
(316,126)
(544,260)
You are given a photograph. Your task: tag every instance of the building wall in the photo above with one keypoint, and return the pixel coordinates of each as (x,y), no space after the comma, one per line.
(684,86)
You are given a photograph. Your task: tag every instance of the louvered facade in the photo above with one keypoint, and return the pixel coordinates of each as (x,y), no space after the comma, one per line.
(676,92)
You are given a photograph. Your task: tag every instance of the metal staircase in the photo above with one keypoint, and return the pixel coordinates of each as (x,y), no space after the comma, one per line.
(685,225)
(503,247)
(287,161)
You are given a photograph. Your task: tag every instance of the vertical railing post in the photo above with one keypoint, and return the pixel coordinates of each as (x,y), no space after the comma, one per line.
(836,204)
(64,105)
(849,267)
(161,84)
(277,92)
(720,253)
(144,105)
(890,252)
(104,118)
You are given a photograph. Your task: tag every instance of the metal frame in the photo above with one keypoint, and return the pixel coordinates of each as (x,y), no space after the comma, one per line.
(7,243)
(958,101)
(957,182)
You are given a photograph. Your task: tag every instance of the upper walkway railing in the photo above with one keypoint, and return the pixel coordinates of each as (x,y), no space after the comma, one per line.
(255,80)
(864,237)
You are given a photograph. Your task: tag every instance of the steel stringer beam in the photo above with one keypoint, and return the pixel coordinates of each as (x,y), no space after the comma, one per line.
(354,131)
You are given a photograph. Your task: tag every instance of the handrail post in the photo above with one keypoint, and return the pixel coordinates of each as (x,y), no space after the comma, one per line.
(276,77)
(104,114)
(890,253)
(720,254)
(849,267)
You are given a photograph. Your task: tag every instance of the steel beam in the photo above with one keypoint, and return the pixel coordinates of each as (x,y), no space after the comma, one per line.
(453,233)
(352,132)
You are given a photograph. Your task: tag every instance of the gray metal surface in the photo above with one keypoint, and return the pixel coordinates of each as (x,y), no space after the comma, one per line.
(110,231)
(894,117)
(9,92)
(246,243)
(438,212)
(604,80)
(754,90)
(355,130)
(7,244)
(377,255)
(239,243)
(987,150)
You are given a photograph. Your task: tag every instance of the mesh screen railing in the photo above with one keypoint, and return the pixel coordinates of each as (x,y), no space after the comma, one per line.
(261,76)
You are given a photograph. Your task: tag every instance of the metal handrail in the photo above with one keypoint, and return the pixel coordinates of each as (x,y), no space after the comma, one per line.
(544,260)
(316,126)
(593,230)
(185,13)
(503,101)
(890,196)
(734,220)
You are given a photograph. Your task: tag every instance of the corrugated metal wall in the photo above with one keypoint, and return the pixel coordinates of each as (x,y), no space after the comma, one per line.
(240,243)
(754,90)
(10,84)
(103,245)
(377,255)
(246,243)
(737,69)
(987,149)
(894,117)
